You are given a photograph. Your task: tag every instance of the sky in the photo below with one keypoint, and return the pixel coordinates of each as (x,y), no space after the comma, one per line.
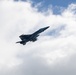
(54,53)
(52,2)
(55,5)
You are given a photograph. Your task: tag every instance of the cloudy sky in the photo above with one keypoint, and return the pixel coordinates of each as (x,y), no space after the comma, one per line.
(55,51)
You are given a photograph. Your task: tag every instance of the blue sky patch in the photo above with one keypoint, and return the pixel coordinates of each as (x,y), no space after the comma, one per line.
(56,4)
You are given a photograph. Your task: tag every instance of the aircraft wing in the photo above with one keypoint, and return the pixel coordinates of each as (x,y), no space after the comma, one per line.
(24,37)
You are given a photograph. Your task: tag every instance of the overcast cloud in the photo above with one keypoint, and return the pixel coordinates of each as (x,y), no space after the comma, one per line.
(55,51)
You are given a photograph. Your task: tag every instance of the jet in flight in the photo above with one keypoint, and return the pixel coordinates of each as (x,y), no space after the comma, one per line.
(31,37)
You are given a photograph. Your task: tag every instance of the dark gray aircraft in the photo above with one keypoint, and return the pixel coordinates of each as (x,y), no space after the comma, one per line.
(31,37)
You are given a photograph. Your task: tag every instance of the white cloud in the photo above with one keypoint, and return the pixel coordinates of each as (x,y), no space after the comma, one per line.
(49,55)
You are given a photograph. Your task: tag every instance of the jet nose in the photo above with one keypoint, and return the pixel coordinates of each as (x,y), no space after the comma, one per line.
(46,27)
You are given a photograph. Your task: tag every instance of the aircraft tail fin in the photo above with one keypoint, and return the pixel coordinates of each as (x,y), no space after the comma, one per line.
(18,41)
(21,42)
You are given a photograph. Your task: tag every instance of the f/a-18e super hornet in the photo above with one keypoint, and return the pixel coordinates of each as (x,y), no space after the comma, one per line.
(31,37)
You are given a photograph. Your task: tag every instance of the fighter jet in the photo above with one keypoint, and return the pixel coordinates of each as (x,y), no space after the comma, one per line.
(31,37)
